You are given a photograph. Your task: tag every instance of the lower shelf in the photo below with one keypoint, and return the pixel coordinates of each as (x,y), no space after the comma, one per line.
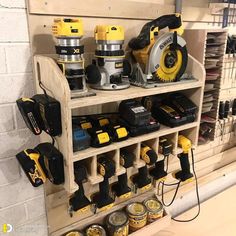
(76,223)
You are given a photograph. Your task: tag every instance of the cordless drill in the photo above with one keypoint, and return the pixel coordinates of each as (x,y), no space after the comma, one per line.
(141,180)
(106,168)
(121,188)
(165,148)
(79,202)
(186,145)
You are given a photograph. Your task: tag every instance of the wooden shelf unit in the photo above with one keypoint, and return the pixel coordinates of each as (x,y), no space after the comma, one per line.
(47,71)
(198,47)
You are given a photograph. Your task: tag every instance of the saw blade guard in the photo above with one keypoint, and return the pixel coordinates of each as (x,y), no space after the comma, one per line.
(168,59)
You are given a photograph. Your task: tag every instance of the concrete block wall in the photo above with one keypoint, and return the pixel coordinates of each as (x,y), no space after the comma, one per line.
(21,205)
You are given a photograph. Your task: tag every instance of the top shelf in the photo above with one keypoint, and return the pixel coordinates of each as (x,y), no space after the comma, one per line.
(51,77)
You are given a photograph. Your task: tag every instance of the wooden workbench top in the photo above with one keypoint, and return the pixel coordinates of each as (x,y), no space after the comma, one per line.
(217,218)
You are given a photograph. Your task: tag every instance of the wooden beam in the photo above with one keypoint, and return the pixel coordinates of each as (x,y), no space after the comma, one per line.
(101,8)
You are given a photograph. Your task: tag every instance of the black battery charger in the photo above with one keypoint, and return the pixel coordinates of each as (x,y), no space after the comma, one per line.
(41,112)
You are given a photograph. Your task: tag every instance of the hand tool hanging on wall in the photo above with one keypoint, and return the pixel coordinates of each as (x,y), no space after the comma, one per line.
(121,188)
(141,180)
(44,161)
(110,71)
(53,163)
(159,58)
(41,112)
(68,33)
(30,160)
(78,201)
(221,117)
(165,148)
(106,168)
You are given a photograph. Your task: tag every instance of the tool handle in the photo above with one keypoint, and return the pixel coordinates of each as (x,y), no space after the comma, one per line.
(172,21)
(160,165)
(122,180)
(143,172)
(234,107)
(221,110)
(227,108)
(104,188)
(184,163)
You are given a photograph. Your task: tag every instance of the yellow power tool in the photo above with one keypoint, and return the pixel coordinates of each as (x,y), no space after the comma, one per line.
(159,57)
(109,70)
(185,173)
(68,33)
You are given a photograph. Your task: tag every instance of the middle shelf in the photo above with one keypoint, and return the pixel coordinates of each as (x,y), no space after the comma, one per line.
(164,130)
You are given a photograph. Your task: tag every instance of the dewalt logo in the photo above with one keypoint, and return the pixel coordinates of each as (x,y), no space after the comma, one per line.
(7,228)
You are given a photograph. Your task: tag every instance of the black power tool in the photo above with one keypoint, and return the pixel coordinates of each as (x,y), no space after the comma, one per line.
(165,148)
(44,161)
(121,188)
(185,173)
(106,168)
(41,112)
(141,180)
(78,201)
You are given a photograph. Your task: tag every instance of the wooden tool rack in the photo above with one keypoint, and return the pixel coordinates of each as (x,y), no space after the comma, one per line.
(49,74)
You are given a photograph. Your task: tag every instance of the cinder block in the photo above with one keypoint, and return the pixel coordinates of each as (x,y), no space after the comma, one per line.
(18,192)
(35,207)
(36,227)
(15,141)
(6,118)
(20,123)
(13,3)
(13,25)
(15,86)
(18,58)
(3,67)
(14,215)
(9,171)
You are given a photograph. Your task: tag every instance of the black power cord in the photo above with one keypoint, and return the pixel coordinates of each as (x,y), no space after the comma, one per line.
(177,189)
(197,194)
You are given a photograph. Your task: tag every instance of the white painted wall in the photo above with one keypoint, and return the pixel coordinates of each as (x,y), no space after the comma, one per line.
(21,205)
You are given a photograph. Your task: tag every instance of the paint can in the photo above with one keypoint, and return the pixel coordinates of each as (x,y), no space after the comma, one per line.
(118,224)
(137,215)
(154,209)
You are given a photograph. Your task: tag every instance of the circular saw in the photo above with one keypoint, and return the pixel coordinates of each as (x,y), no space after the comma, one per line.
(159,57)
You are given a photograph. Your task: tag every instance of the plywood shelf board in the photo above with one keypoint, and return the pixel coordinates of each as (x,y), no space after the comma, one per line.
(133,140)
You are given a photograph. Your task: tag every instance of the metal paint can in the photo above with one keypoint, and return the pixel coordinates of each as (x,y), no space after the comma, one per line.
(118,224)
(95,230)
(74,233)
(154,209)
(137,214)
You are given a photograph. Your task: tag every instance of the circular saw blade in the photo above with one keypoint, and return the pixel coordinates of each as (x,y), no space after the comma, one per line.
(167,72)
